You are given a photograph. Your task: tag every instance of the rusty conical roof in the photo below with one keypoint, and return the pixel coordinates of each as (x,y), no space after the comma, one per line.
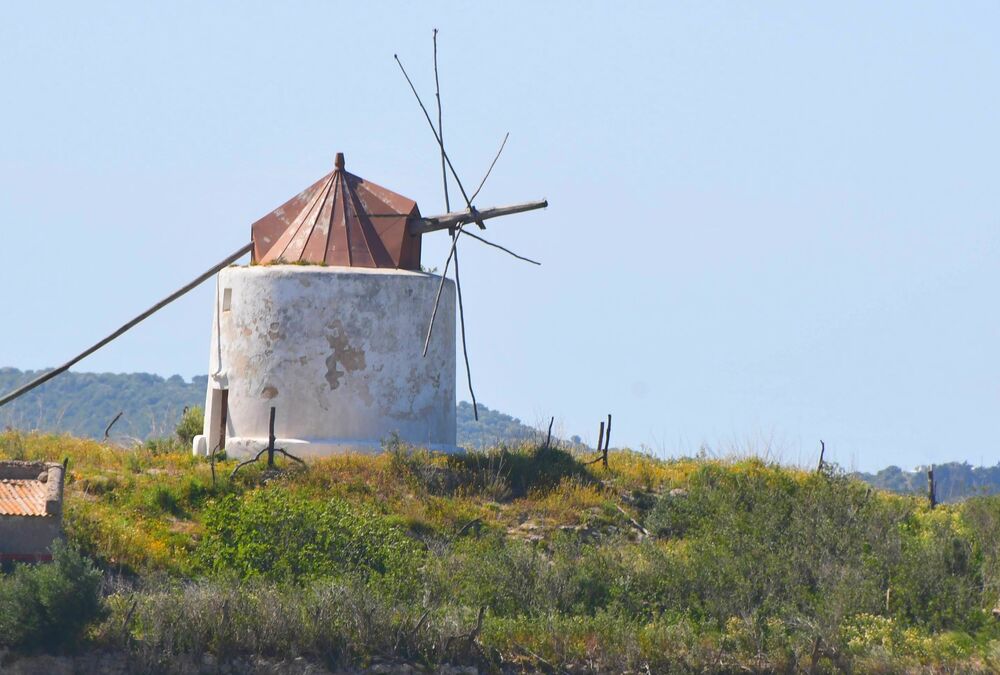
(340,220)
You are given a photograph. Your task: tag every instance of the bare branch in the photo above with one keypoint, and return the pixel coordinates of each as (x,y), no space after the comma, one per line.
(247,462)
(437,298)
(107,431)
(465,528)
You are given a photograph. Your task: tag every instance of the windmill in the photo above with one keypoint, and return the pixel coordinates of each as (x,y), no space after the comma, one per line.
(455,222)
(306,339)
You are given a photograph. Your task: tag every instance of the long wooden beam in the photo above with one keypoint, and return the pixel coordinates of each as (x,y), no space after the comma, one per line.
(42,379)
(456,218)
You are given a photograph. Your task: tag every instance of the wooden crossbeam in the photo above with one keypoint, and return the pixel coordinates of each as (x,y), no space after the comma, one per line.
(454,219)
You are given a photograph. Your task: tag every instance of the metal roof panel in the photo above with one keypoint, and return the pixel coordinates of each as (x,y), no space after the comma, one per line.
(340,220)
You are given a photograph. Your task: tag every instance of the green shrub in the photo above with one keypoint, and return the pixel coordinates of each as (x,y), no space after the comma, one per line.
(178,499)
(506,473)
(276,534)
(12,445)
(937,582)
(672,515)
(49,605)
(191,424)
(418,469)
(161,498)
(134,463)
(981,518)
(341,623)
(164,446)
(508,576)
(762,544)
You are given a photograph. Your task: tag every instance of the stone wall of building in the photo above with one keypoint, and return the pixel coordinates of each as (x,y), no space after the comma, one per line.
(27,536)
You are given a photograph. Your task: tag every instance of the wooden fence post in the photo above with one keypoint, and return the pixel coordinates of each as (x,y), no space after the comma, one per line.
(270,440)
(607,442)
(270,450)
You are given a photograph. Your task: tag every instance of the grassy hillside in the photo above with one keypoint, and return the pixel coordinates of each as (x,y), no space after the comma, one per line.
(521,560)
(82,404)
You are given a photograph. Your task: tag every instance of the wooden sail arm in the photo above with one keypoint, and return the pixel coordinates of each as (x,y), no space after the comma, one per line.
(456,218)
(45,377)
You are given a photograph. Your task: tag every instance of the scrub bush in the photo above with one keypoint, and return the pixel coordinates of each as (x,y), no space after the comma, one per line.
(190,425)
(276,534)
(49,605)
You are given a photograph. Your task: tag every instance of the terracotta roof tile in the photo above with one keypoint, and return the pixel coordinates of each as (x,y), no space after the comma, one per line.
(21,497)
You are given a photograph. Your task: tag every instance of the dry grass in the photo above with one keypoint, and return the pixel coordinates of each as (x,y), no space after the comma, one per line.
(572,502)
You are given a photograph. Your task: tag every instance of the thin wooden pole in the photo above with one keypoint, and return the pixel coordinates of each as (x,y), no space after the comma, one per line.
(465,343)
(465,196)
(270,439)
(607,443)
(931,495)
(822,451)
(600,437)
(38,381)
(502,248)
(440,129)
(458,181)
(270,450)
(454,236)
(437,298)
(490,170)
(211,462)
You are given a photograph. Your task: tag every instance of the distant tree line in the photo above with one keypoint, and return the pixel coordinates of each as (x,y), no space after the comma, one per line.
(953,481)
(83,404)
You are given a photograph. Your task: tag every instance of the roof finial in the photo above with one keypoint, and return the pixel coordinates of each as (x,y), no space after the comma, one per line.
(339,161)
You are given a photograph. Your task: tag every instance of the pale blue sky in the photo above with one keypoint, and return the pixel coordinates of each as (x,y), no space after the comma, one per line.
(769,222)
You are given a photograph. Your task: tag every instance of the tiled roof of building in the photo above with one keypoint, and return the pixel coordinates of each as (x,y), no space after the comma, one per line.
(22,497)
(30,489)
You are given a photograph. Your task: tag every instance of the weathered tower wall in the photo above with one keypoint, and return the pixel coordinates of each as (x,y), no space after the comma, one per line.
(337,351)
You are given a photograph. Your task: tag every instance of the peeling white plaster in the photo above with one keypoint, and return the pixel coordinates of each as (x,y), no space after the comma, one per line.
(338,352)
